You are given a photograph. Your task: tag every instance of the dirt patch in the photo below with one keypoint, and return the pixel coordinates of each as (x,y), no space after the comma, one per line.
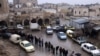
(3,52)
(8,49)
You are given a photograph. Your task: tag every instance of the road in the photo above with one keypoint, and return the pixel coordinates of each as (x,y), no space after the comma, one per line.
(68,44)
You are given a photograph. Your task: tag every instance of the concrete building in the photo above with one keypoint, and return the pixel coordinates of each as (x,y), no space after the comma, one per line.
(64,11)
(48,6)
(23,2)
(94,11)
(80,11)
(4,9)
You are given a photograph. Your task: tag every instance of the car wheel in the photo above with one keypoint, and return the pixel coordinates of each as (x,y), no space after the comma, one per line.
(82,49)
(91,54)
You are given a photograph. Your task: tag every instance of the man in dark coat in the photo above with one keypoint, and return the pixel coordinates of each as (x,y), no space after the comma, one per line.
(60,51)
(31,37)
(36,40)
(57,47)
(42,43)
(66,52)
(46,45)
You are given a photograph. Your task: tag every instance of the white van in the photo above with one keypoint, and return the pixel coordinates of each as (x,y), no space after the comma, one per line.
(35,26)
(15,38)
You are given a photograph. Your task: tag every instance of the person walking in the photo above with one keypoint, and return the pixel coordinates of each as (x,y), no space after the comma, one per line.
(46,45)
(28,38)
(36,40)
(49,45)
(57,47)
(39,42)
(42,43)
(53,50)
(66,52)
(31,37)
(63,52)
(60,51)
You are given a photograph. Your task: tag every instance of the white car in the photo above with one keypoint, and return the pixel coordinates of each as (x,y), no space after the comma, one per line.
(19,26)
(90,48)
(27,46)
(49,30)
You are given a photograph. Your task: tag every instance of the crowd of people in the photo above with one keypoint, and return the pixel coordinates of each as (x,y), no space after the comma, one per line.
(47,45)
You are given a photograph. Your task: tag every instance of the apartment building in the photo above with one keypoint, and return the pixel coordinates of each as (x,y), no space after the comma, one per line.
(94,11)
(80,11)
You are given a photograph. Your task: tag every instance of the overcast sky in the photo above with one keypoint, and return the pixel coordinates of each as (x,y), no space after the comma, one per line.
(68,1)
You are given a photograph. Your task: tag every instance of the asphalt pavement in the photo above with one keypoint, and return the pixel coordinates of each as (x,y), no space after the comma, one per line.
(68,44)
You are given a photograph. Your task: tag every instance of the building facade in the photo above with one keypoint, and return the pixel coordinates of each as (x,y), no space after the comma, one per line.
(80,11)
(4,9)
(23,2)
(48,6)
(94,11)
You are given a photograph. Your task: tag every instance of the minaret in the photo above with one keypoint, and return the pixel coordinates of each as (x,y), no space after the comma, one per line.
(4,7)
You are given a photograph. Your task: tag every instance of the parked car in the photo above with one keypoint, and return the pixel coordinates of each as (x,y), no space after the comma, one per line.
(60,29)
(49,30)
(5,35)
(70,33)
(3,27)
(80,40)
(57,21)
(55,27)
(15,38)
(19,26)
(27,46)
(90,48)
(35,26)
(61,35)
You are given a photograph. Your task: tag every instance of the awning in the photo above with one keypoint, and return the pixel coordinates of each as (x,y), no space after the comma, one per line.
(81,21)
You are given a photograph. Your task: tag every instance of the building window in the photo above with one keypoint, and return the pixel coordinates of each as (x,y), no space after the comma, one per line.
(75,12)
(99,9)
(84,12)
(79,12)
(0,5)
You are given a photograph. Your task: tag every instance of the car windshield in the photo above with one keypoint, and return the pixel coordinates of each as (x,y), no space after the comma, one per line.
(62,34)
(28,44)
(49,29)
(81,38)
(92,47)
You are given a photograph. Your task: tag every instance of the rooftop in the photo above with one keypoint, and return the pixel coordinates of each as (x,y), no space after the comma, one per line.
(81,21)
